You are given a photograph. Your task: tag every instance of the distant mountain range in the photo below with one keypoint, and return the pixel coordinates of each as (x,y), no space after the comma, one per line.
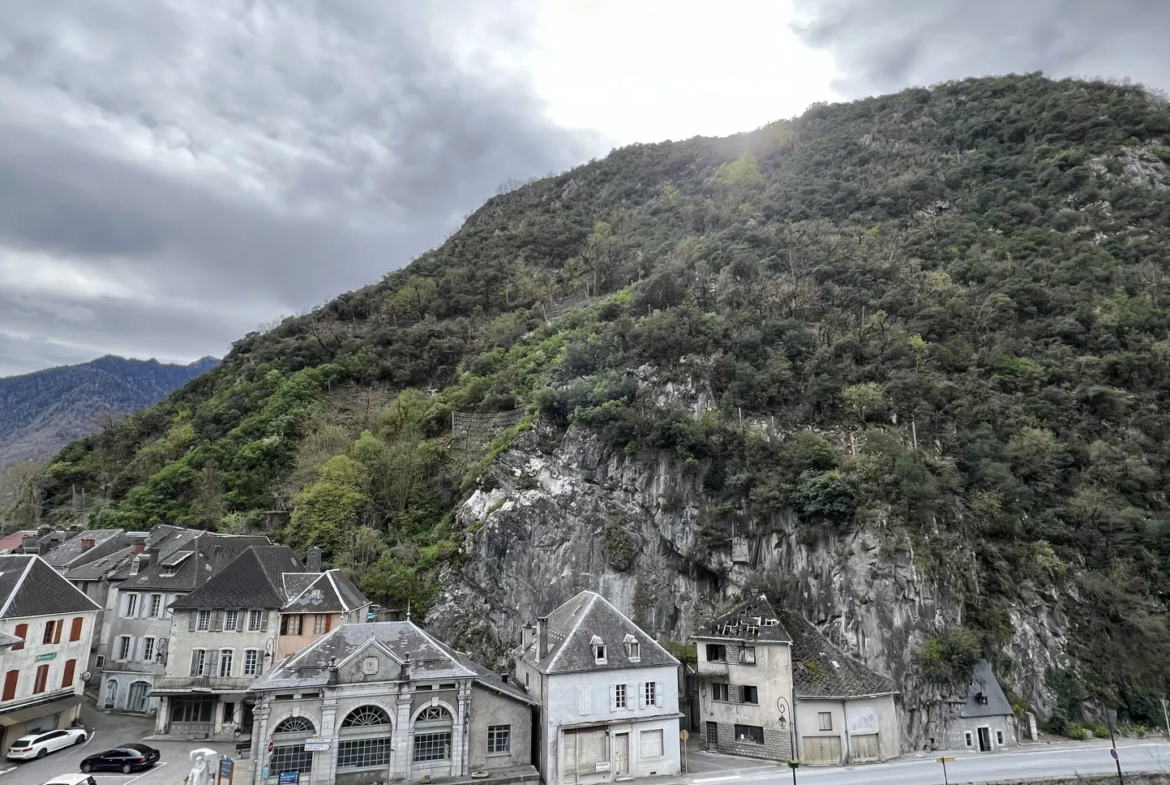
(41,412)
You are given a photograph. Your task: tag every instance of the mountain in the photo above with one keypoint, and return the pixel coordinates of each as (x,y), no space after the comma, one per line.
(901,362)
(42,412)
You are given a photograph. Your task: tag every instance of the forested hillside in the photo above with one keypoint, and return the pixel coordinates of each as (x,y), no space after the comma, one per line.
(936,320)
(42,412)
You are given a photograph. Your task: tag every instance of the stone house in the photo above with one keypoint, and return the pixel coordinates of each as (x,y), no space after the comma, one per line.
(845,712)
(386,701)
(47,625)
(607,692)
(986,721)
(134,650)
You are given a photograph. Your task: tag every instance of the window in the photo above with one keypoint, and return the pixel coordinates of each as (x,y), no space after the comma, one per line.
(967,738)
(599,653)
(999,737)
(147,649)
(156,606)
(651,693)
(366,717)
(290,624)
(251,659)
(21,632)
(749,694)
(824,720)
(720,691)
(255,618)
(198,661)
(363,753)
(101,661)
(203,620)
(290,757)
(10,680)
(67,676)
(712,733)
(619,696)
(321,624)
(48,636)
(130,608)
(75,628)
(752,734)
(124,643)
(747,655)
(230,620)
(225,663)
(499,739)
(633,649)
(134,566)
(57,630)
(651,743)
(229,712)
(42,679)
(432,746)
(716,652)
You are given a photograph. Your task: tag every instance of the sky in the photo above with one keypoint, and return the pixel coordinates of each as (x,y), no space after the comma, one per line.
(175,173)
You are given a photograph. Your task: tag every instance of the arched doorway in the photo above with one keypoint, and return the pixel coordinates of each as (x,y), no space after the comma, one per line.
(139,699)
(365,739)
(288,747)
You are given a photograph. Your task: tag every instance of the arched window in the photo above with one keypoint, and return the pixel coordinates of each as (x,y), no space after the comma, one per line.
(432,735)
(288,747)
(139,699)
(365,739)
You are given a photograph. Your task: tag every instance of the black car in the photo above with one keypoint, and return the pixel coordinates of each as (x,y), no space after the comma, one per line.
(126,758)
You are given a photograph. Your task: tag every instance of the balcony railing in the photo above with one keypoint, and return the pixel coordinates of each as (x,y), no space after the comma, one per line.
(712,668)
(202,684)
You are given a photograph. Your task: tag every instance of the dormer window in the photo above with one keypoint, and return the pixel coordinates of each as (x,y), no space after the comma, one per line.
(598,650)
(633,649)
(134,566)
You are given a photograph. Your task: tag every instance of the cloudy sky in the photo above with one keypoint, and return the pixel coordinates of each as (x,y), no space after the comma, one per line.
(175,172)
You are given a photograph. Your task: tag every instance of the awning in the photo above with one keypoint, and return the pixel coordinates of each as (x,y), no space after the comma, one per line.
(39,710)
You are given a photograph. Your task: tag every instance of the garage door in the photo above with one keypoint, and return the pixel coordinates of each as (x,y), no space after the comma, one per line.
(583,751)
(824,750)
(865,747)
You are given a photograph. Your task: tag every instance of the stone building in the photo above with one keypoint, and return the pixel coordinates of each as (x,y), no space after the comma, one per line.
(986,722)
(386,701)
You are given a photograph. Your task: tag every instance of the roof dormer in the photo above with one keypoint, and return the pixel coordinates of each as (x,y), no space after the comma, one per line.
(598,650)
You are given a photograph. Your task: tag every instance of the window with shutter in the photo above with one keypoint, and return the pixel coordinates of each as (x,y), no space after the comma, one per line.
(67,678)
(583,701)
(641,695)
(42,679)
(658,694)
(75,629)
(217,622)
(21,632)
(191,620)
(57,631)
(10,680)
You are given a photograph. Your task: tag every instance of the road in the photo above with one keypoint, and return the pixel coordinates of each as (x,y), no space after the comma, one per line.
(109,730)
(1047,761)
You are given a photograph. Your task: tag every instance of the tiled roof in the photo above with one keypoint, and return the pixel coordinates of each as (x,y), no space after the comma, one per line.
(210,552)
(98,568)
(572,629)
(752,621)
(821,670)
(430,659)
(254,579)
(11,543)
(30,587)
(323,592)
(985,698)
(73,550)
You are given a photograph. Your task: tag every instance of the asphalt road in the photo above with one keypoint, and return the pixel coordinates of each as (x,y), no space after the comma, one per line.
(106,731)
(1046,761)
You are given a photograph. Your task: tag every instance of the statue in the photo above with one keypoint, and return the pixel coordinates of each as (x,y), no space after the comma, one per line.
(200,775)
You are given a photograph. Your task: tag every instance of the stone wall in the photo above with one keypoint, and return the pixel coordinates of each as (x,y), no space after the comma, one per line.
(777,744)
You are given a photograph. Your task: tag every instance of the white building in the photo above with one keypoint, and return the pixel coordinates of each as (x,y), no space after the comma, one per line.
(986,721)
(608,695)
(42,672)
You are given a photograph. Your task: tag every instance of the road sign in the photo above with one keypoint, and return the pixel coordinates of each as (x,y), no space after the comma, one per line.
(316,746)
(226,765)
(288,778)
(42,657)
(1113,754)
(944,760)
(684,734)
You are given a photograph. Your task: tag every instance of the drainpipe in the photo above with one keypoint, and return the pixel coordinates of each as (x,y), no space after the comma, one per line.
(845,728)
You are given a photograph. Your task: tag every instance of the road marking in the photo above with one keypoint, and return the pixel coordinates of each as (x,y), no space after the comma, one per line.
(5,771)
(717,779)
(139,776)
(88,738)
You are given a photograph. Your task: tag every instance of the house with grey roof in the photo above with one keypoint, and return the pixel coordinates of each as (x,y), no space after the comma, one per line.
(387,701)
(46,627)
(985,721)
(132,653)
(846,713)
(744,666)
(607,695)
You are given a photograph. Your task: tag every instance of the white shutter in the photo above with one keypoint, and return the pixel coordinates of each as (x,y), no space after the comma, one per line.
(613,697)
(641,695)
(658,694)
(583,701)
(631,694)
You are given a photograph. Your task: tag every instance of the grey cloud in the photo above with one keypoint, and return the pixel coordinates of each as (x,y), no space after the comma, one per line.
(219,162)
(885,45)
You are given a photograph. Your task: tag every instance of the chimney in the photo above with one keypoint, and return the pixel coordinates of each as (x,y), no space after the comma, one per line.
(86,544)
(139,547)
(151,555)
(541,637)
(313,559)
(404,673)
(43,546)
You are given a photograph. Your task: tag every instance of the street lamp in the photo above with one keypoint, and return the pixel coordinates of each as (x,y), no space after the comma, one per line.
(783,721)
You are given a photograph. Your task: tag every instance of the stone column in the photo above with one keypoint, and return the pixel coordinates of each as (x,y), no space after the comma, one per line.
(403,737)
(460,732)
(260,737)
(164,713)
(325,763)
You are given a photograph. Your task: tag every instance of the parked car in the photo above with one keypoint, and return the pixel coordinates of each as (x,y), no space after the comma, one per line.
(72,779)
(38,745)
(126,758)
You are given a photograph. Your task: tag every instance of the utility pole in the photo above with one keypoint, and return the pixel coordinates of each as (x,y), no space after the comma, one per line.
(1166,717)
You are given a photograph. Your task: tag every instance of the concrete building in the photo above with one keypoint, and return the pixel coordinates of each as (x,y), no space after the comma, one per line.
(845,712)
(43,672)
(744,664)
(986,722)
(386,701)
(607,692)
(136,633)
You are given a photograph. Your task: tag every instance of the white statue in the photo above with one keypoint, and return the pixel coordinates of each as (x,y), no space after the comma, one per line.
(199,772)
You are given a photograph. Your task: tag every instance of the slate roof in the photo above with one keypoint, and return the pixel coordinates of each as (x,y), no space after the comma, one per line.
(984,683)
(97,569)
(321,592)
(210,552)
(572,628)
(254,579)
(752,621)
(822,670)
(30,587)
(70,552)
(430,659)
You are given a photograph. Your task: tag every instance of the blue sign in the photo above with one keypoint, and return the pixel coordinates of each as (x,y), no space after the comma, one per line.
(225,768)
(288,778)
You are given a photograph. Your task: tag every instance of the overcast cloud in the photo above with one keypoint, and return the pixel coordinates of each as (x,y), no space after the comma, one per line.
(173,173)
(884,45)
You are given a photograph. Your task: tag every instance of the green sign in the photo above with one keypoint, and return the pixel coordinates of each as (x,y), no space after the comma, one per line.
(49,656)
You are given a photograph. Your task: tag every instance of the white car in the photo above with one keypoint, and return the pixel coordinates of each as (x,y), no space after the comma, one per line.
(72,778)
(38,745)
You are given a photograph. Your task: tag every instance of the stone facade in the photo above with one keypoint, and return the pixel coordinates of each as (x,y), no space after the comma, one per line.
(777,744)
